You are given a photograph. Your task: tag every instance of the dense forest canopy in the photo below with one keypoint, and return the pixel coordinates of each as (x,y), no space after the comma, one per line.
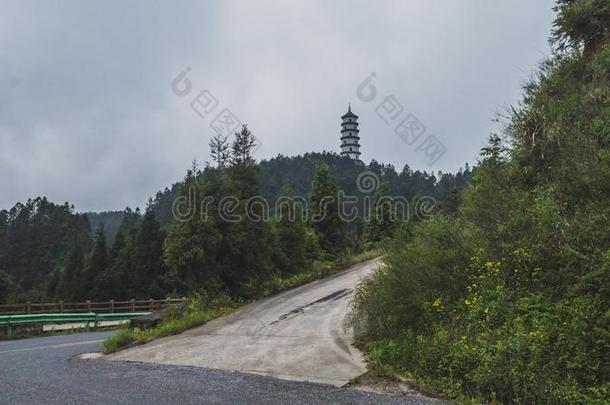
(297,173)
(109,220)
(50,252)
(34,237)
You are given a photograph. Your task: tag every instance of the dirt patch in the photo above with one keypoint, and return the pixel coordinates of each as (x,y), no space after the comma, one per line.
(372,382)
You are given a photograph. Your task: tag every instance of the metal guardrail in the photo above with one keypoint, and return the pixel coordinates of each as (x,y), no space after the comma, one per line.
(88,306)
(9,321)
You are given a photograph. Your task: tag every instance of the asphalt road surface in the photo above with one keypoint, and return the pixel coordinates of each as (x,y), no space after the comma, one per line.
(48,370)
(299,335)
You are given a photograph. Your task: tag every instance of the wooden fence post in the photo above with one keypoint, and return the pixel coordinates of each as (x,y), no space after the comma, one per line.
(112,306)
(151,305)
(133,305)
(28,307)
(183,300)
(88,306)
(61,307)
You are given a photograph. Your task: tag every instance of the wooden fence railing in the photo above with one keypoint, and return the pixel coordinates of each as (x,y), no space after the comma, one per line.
(88,306)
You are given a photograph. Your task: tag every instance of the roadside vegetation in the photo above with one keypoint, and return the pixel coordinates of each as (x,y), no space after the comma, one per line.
(506,299)
(198,310)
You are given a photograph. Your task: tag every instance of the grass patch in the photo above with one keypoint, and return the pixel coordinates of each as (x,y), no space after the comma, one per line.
(134,336)
(364,256)
(320,270)
(122,338)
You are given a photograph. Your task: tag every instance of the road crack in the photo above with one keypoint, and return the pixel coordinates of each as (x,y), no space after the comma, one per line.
(337,295)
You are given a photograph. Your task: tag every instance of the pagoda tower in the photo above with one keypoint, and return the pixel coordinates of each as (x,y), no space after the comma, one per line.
(350,139)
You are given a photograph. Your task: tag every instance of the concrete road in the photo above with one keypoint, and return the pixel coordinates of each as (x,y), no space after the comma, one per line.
(296,335)
(48,371)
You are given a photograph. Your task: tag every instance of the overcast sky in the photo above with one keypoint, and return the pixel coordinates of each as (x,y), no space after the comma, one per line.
(88,115)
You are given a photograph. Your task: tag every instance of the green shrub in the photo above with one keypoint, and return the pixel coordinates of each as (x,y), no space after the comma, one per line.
(507,301)
(122,338)
(415,273)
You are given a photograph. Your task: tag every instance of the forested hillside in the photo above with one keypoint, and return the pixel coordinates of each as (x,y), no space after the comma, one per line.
(110,220)
(34,237)
(508,299)
(297,172)
(50,252)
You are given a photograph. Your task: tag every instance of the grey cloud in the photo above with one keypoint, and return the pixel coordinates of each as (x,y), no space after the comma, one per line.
(87,114)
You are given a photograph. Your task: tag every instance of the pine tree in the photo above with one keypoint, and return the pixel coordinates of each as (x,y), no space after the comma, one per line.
(243,146)
(191,247)
(324,212)
(219,150)
(381,224)
(97,262)
(246,246)
(5,285)
(70,285)
(291,234)
(113,283)
(145,278)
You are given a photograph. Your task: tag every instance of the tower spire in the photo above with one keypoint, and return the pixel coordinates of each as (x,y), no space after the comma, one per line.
(350,140)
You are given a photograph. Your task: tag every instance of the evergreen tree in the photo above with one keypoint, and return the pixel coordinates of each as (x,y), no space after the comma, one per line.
(381,222)
(324,212)
(97,263)
(113,283)
(243,146)
(146,274)
(5,285)
(213,250)
(291,235)
(219,150)
(70,286)
(192,246)
(247,244)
